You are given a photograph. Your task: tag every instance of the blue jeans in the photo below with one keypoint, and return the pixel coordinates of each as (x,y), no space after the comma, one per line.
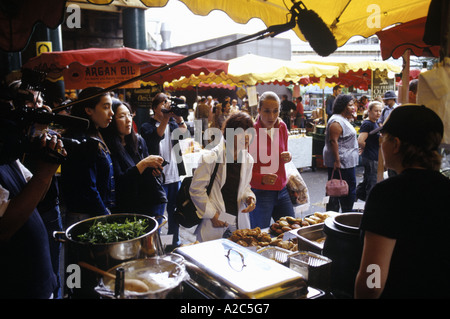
(345,202)
(171,193)
(270,204)
(370,174)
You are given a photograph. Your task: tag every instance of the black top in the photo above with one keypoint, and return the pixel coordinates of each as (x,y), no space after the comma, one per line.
(372,142)
(286,107)
(329,104)
(230,188)
(413,208)
(136,193)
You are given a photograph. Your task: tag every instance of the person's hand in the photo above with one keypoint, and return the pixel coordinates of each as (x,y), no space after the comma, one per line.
(54,144)
(269,179)
(177,118)
(250,205)
(337,164)
(151,161)
(286,157)
(48,108)
(154,161)
(218,223)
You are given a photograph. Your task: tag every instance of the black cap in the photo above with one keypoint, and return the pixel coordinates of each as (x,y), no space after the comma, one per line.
(411,123)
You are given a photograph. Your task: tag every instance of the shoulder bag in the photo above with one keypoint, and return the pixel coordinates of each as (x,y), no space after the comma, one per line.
(185,212)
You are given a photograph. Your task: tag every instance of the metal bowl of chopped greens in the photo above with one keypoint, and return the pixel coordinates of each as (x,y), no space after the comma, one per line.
(106,241)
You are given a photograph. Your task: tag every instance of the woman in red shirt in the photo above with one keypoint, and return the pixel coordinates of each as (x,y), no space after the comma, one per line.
(269,149)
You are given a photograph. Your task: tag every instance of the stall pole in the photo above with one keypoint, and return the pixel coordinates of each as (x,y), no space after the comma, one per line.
(405,78)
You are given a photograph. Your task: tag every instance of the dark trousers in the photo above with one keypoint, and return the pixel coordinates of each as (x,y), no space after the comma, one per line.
(173,227)
(344,202)
(370,175)
(53,222)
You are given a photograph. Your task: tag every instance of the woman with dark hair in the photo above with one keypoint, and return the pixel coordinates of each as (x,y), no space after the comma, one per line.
(138,191)
(341,150)
(406,212)
(87,176)
(231,198)
(161,134)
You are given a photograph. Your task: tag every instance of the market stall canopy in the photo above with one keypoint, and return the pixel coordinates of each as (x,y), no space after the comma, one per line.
(210,81)
(345,18)
(408,36)
(104,67)
(345,67)
(252,69)
(357,74)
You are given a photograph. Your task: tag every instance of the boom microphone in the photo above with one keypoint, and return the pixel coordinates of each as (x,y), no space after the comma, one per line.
(44,117)
(314,29)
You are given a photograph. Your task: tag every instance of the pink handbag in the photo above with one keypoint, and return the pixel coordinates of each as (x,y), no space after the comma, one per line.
(336,187)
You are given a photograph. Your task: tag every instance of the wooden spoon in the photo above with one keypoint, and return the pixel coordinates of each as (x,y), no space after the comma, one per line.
(130,284)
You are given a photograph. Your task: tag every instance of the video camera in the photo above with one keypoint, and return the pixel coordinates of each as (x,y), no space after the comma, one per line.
(178,107)
(17,118)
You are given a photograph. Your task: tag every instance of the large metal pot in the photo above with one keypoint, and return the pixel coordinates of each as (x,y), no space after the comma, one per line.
(105,256)
(164,275)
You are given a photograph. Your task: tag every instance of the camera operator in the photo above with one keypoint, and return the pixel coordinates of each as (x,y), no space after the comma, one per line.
(25,266)
(29,95)
(157,133)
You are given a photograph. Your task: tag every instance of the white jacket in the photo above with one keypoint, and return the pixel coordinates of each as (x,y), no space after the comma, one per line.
(208,206)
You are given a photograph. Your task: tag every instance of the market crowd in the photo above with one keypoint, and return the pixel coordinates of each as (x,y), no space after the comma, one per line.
(121,168)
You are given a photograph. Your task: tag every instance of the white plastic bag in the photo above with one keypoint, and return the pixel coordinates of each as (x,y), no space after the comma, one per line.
(297,188)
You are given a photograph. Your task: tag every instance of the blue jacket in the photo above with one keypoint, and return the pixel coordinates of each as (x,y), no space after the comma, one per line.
(87,179)
(136,193)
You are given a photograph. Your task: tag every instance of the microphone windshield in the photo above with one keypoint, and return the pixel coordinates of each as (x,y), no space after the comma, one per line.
(316,32)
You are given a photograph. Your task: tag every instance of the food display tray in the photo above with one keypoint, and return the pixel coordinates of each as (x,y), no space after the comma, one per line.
(223,269)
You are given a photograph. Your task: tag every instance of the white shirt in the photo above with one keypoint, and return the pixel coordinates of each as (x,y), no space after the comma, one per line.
(167,152)
(4,193)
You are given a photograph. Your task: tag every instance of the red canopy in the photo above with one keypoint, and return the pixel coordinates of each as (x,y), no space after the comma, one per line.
(360,79)
(395,41)
(79,61)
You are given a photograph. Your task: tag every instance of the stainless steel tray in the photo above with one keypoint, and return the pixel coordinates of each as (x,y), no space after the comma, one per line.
(316,269)
(278,254)
(310,238)
(224,269)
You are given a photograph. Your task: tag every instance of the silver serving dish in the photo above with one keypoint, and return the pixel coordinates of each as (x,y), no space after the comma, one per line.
(310,238)
(222,269)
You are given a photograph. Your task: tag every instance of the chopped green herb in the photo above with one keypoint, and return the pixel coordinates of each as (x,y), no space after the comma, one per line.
(104,232)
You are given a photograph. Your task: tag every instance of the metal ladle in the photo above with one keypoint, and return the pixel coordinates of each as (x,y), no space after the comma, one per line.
(130,284)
